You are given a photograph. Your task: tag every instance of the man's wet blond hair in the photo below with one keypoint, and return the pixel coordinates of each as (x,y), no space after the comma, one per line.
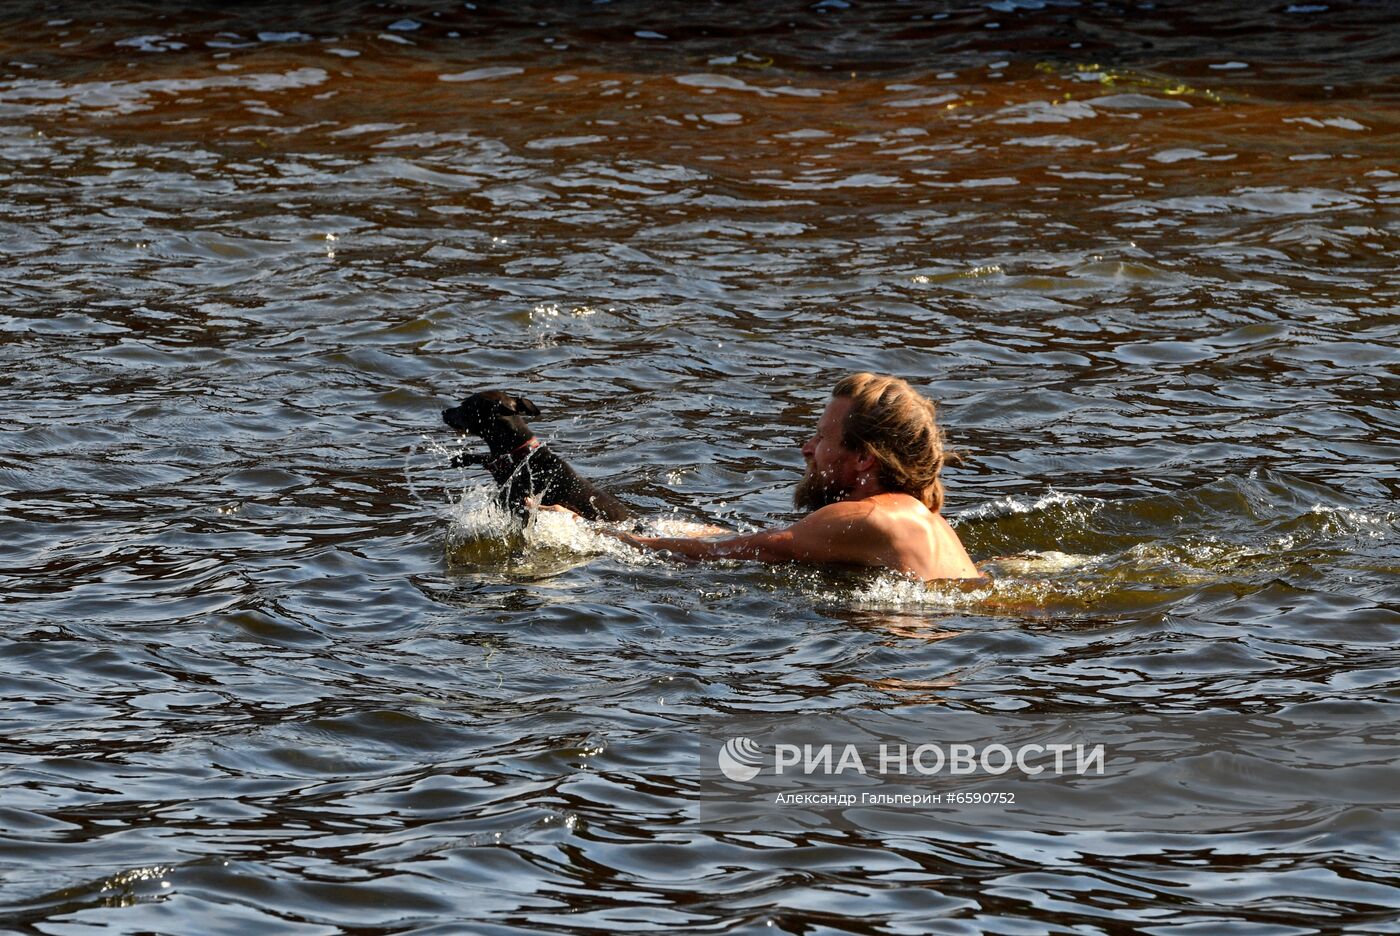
(899,426)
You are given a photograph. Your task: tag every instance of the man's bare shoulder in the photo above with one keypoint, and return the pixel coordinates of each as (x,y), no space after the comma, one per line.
(845,510)
(912,538)
(889,509)
(857,514)
(879,514)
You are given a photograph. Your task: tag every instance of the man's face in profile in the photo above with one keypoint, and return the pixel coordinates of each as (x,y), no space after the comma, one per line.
(831,472)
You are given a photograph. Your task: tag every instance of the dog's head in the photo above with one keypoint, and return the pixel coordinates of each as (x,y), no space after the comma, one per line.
(491,413)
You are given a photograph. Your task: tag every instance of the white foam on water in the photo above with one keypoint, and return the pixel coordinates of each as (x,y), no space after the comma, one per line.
(555,531)
(1167,562)
(475,515)
(1050,562)
(477,522)
(1028,583)
(1350,520)
(558,531)
(897,592)
(1006,506)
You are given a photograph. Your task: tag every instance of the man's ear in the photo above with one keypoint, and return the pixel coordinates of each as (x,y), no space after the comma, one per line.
(866,460)
(525,407)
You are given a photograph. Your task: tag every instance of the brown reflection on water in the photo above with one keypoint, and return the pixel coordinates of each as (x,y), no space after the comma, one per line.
(1023,130)
(1062,161)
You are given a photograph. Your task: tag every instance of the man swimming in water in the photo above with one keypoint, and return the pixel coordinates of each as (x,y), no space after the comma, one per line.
(872,486)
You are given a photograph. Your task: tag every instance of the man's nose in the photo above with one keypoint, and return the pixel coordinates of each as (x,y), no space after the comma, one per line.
(807,447)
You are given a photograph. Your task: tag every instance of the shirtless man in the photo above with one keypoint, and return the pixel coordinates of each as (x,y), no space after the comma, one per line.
(871,485)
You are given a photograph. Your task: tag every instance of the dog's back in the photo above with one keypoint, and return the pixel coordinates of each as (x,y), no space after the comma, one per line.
(545,476)
(521,465)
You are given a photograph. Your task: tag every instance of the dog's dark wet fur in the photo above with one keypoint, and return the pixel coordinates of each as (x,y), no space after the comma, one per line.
(522,466)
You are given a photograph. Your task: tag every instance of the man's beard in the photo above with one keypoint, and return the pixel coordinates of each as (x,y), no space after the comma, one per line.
(814,491)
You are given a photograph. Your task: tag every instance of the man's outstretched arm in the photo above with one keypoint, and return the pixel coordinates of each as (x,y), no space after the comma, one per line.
(837,533)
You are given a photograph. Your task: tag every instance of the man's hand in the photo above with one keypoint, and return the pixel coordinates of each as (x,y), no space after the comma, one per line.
(766,547)
(552,508)
(627,538)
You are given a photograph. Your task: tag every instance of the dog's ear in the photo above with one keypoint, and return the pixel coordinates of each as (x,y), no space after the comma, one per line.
(525,407)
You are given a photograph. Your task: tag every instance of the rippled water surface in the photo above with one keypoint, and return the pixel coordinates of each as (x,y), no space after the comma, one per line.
(270,665)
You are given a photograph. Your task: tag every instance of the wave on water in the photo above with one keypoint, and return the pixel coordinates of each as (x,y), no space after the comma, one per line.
(1074,552)
(1004,506)
(1058,553)
(1246,529)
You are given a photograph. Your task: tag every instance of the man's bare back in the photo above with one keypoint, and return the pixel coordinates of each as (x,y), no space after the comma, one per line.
(907,537)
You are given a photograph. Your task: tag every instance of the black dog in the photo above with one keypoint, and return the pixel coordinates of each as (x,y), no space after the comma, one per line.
(521,464)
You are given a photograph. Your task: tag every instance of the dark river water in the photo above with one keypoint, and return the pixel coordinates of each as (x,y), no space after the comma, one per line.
(269,665)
